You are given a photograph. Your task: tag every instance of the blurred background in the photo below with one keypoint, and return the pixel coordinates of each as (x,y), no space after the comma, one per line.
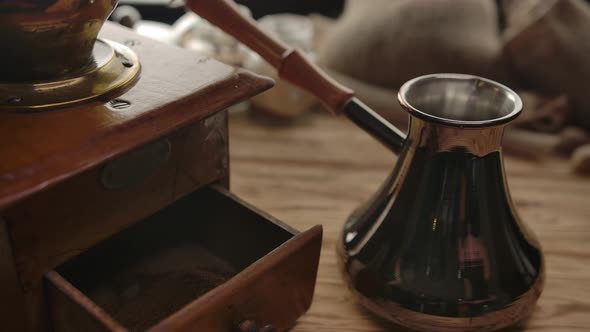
(537,47)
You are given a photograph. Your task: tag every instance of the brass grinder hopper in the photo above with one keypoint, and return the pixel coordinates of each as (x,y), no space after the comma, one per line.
(51,56)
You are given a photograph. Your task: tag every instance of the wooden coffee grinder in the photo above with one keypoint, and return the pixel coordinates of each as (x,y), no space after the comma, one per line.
(115,212)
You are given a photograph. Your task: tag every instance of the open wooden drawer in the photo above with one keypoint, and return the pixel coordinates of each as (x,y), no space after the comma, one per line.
(206,263)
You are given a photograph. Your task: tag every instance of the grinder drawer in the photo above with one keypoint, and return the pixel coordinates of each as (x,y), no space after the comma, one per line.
(206,263)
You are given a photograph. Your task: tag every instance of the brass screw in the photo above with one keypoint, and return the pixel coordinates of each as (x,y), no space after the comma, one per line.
(119,104)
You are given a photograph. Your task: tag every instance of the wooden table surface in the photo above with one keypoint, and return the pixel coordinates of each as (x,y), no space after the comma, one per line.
(318,170)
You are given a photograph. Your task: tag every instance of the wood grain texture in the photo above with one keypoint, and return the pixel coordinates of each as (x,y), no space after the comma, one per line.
(52,226)
(321,169)
(267,271)
(59,223)
(50,191)
(69,308)
(12,306)
(176,87)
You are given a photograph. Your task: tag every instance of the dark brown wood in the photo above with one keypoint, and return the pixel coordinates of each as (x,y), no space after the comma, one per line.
(69,308)
(275,267)
(12,303)
(69,232)
(80,211)
(176,87)
(60,222)
(291,64)
(51,195)
(274,291)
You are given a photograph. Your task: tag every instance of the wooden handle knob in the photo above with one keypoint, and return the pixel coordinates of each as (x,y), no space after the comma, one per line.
(297,69)
(291,64)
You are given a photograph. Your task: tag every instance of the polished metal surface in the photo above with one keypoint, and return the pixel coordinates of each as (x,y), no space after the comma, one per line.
(440,246)
(43,40)
(114,69)
(459,100)
(51,57)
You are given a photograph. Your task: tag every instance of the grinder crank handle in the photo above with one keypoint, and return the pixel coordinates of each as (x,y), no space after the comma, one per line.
(294,67)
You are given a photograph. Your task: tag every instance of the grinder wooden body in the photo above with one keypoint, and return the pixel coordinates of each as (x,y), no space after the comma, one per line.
(89,190)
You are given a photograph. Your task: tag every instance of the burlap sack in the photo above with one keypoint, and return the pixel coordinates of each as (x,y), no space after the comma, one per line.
(387,42)
(549,47)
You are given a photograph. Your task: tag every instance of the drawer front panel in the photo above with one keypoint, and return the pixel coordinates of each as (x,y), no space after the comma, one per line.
(275,291)
(272,283)
(53,226)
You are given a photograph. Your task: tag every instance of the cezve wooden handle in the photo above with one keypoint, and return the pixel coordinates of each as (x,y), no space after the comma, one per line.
(290,63)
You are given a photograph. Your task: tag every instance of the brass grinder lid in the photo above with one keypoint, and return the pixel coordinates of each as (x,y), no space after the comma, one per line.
(114,68)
